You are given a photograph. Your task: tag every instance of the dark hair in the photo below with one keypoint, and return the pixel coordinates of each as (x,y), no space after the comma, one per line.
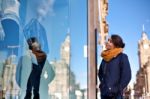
(117,41)
(31,40)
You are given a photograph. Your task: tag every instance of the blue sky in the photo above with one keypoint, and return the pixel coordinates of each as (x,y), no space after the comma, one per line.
(125,18)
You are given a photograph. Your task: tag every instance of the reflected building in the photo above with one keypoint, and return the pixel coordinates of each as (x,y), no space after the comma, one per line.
(102,22)
(142,85)
(9,37)
(1,79)
(64,85)
(9,88)
(59,87)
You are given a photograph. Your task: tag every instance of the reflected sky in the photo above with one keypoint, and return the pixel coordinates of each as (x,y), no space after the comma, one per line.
(54,18)
(78,27)
(58,22)
(60,18)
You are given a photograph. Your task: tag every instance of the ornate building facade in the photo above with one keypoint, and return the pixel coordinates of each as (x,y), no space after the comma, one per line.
(103,12)
(142,85)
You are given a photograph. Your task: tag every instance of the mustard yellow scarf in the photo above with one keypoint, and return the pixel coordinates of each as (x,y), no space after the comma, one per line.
(109,54)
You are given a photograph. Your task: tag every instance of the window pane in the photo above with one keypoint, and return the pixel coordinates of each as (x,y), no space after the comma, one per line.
(31,30)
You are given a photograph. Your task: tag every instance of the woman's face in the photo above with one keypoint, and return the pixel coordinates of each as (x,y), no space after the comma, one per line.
(109,44)
(36,46)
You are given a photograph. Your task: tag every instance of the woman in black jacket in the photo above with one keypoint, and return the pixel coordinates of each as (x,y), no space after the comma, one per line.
(35,75)
(114,73)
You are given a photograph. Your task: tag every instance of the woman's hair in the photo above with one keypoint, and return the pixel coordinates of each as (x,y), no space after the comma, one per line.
(117,41)
(30,41)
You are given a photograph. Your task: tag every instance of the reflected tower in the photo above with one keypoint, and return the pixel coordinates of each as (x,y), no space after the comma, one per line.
(59,87)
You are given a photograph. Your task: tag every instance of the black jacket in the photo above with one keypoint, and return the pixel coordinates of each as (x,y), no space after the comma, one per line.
(114,75)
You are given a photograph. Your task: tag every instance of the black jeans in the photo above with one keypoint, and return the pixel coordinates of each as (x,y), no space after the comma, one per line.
(34,81)
(112,97)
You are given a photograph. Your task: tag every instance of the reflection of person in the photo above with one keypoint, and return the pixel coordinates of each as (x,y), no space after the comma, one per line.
(114,72)
(34,78)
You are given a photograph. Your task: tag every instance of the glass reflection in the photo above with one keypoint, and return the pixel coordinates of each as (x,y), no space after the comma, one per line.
(49,22)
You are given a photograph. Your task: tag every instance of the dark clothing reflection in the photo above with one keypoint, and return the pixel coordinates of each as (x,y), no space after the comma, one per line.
(39,58)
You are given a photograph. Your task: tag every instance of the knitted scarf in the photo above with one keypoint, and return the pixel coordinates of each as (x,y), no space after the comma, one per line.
(40,55)
(109,54)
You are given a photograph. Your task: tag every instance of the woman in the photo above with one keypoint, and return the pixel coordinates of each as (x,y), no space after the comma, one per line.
(114,72)
(35,75)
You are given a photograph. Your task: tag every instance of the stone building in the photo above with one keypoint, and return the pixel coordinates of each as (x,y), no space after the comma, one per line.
(142,85)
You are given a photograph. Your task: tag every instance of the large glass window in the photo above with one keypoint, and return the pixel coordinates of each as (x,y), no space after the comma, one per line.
(33,29)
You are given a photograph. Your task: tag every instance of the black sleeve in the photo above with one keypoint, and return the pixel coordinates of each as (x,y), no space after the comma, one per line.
(125,72)
(100,72)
